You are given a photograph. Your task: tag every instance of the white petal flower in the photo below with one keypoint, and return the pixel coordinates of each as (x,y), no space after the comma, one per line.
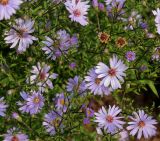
(19,35)
(142,125)
(78,10)
(113,75)
(8,8)
(109,120)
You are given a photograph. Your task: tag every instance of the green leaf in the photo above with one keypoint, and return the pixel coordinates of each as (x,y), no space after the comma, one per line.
(153,88)
(150,84)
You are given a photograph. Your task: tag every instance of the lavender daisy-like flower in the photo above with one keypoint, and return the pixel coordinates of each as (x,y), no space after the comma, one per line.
(86,121)
(157,19)
(113,75)
(142,125)
(52,121)
(33,103)
(42,76)
(3,107)
(156,54)
(61,102)
(124,136)
(133,20)
(76,85)
(93,84)
(89,112)
(131,56)
(8,8)
(109,120)
(59,46)
(114,7)
(72,65)
(13,135)
(78,10)
(95,3)
(21,34)
(101,6)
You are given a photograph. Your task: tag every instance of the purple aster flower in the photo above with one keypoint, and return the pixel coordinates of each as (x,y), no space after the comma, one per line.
(142,125)
(157,19)
(93,84)
(101,6)
(15,115)
(109,120)
(131,56)
(78,11)
(89,112)
(42,76)
(8,8)
(61,103)
(20,34)
(51,122)
(156,54)
(114,7)
(59,46)
(113,75)
(3,107)
(74,40)
(132,21)
(95,3)
(12,135)
(143,25)
(124,136)
(143,68)
(76,85)
(86,121)
(33,103)
(72,65)
(150,35)
(24,107)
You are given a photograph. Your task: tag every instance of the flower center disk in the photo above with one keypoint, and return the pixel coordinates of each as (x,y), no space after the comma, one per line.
(109,119)
(4,2)
(14,139)
(97,81)
(141,124)
(42,75)
(36,100)
(77,13)
(112,72)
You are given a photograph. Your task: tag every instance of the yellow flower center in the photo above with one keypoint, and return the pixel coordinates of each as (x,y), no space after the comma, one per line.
(36,100)
(55,122)
(62,101)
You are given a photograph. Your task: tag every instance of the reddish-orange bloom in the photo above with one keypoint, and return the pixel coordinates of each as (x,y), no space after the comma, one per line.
(121,42)
(103,37)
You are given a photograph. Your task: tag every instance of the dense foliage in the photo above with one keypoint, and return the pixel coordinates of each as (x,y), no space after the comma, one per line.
(79,70)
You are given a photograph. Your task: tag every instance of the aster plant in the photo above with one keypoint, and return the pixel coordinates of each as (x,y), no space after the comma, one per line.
(20,35)
(79,70)
(41,76)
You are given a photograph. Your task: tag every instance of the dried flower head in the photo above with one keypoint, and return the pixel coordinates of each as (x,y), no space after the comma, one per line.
(121,42)
(104,37)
